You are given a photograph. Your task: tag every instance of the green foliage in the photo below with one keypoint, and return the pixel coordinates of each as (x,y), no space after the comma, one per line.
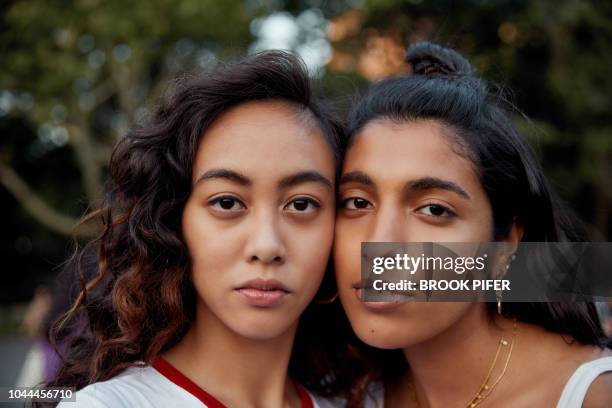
(60,51)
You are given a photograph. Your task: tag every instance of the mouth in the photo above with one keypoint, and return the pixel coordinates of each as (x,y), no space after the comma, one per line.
(263,293)
(392,299)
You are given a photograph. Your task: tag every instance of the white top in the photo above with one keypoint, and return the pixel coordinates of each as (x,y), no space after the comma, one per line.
(161,386)
(572,396)
(576,388)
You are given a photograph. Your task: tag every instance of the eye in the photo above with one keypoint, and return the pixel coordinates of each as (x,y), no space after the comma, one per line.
(356,203)
(436,210)
(227,203)
(302,205)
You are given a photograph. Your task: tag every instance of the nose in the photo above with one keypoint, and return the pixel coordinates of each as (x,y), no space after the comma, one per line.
(389,225)
(265,244)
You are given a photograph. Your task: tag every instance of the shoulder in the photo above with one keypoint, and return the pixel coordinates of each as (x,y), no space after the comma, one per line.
(118,391)
(84,399)
(599,394)
(135,387)
(590,385)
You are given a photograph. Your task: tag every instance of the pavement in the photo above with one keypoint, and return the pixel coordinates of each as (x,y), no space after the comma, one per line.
(12,354)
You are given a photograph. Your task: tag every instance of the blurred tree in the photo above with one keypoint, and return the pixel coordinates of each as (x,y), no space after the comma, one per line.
(81,74)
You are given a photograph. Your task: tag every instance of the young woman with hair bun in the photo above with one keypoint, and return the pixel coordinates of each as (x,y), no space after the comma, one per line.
(434,157)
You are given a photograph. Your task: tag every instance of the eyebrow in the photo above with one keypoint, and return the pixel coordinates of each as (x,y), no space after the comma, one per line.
(308,176)
(430,183)
(289,181)
(226,174)
(357,177)
(425,183)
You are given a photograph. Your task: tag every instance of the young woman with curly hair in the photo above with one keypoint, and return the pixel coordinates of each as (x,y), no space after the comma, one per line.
(218,221)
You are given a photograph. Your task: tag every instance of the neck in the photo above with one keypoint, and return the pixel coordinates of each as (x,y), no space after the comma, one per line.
(236,370)
(451,366)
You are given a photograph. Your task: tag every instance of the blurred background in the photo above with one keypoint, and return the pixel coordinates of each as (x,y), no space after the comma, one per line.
(76,75)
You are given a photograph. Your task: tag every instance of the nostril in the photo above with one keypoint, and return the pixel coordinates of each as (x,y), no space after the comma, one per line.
(276,259)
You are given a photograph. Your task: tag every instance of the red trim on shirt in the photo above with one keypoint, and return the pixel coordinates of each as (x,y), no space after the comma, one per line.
(174,375)
(304,397)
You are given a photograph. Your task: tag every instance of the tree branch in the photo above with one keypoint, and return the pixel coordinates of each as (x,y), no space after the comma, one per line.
(80,140)
(38,208)
(124,81)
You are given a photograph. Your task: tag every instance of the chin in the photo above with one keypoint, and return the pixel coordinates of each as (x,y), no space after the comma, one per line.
(380,336)
(261,327)
(386,332)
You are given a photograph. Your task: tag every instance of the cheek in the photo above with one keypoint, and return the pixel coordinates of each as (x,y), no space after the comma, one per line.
(478,225)
(472,228)
(210,248)
(458,232)
(479,229)
(310,247)
(347,267)
(347,251)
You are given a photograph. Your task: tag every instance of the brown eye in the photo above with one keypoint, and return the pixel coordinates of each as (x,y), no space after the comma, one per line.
(356,203)
(302,205)
(436,210)
(227,203)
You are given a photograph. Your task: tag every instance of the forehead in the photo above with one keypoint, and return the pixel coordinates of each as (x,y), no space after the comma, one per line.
(399,151)
(273,137)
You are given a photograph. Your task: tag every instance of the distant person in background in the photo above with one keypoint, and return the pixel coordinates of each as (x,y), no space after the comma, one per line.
(40,363)
(48,304)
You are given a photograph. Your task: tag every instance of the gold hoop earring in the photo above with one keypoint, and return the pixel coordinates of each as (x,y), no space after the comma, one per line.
(326,301)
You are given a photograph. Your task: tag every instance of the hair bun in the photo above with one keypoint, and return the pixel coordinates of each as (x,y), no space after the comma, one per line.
(433,60)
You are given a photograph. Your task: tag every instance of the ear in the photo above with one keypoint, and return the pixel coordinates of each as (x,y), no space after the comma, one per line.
(516,233)
(510,246)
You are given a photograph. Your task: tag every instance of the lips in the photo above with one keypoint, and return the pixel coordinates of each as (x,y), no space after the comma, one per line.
(398,297)
(263,293)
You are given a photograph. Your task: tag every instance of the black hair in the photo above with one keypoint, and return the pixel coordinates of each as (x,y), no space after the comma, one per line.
(444,87)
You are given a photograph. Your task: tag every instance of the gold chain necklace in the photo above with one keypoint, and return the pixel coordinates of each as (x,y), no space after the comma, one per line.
(486,388)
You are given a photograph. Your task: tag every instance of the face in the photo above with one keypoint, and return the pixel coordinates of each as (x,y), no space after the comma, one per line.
(405,182)
(259,222)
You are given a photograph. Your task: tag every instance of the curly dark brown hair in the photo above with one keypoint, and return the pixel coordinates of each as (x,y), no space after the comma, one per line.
(137,299)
